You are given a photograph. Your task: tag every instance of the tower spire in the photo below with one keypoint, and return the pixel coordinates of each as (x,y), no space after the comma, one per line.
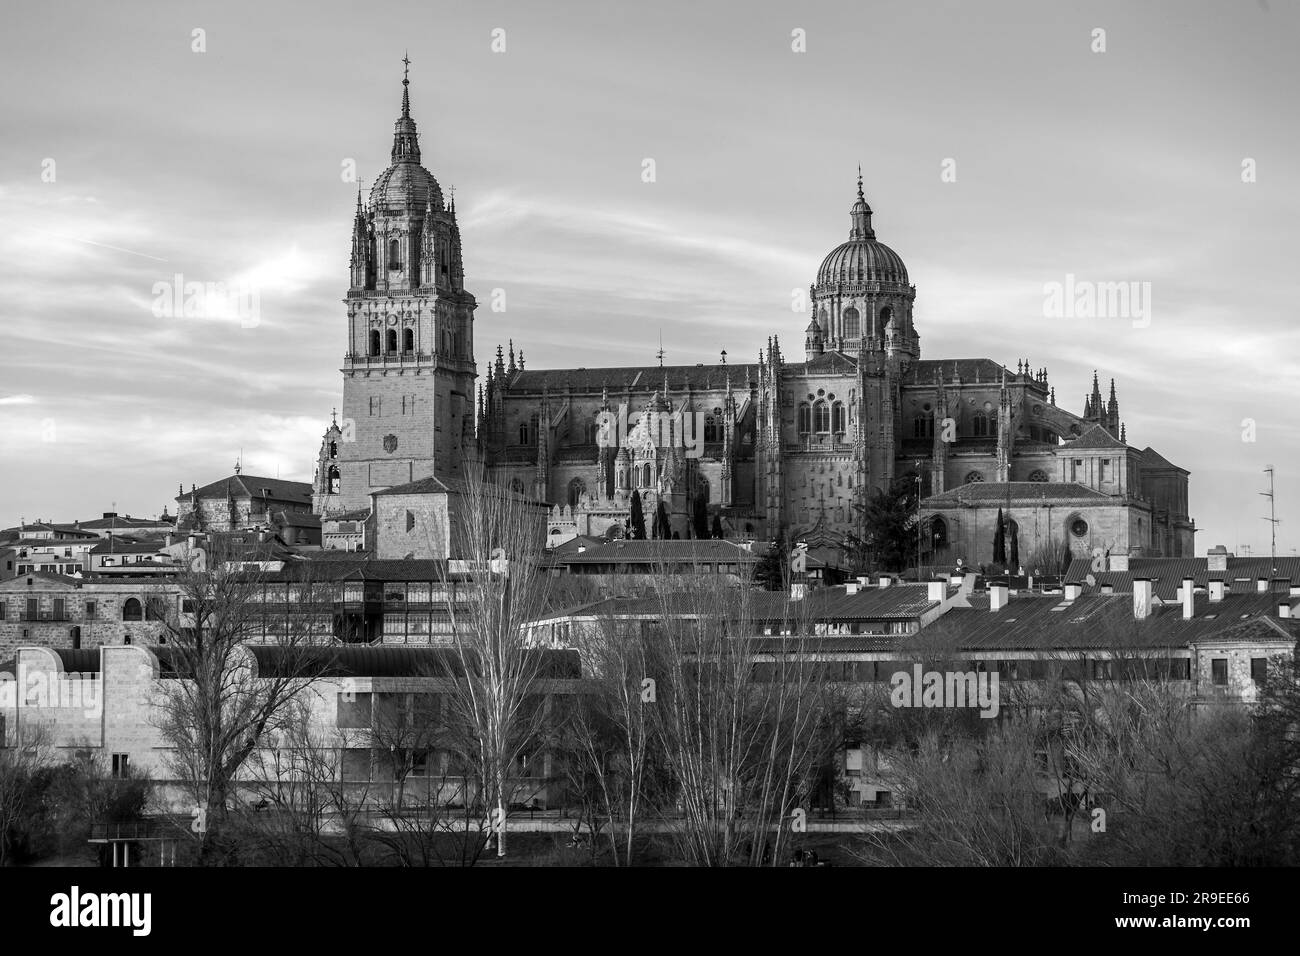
(406,145)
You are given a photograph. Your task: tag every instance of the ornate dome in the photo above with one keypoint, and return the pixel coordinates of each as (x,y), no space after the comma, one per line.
(405,184)
(863,258)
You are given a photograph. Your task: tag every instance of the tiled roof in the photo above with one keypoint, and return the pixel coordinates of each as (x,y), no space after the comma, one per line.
(988,371)
(1153,459)
(898,602)
(1095,437)
(1093,621)
(641,378)
(390,661)
(1168,573)
(251,486)
(298,519)
(1021,491)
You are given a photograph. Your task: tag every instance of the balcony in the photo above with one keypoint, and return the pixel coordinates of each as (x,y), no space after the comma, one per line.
(44,617)
(388,359)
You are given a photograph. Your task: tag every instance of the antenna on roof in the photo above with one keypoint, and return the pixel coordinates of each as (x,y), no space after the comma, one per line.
(660,353)
(1272,521)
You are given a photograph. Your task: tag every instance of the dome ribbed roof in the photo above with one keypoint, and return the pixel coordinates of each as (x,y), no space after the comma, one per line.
(862,260)
(406,184)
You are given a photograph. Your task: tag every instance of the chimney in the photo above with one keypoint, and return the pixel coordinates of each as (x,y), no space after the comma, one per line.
(167,540)
(1189,598)
(998,597)
(864,580)
(193,541)
(1216,591)
(1108,589)
(1141,598)
(937,590)
(1283,608)
(1072,591)
(110,514)
(1261,585)
(1118,562)
(884,580)
(851,587)
(1216,559)
(954,579)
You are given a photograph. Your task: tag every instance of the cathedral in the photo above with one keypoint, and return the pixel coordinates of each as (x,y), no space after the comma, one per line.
(787,442)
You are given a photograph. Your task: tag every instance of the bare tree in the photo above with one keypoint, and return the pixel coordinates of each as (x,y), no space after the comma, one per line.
(216,707)
(21,758)
(495,692)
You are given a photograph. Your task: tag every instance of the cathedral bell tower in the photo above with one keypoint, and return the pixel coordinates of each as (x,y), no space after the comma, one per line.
(408,372)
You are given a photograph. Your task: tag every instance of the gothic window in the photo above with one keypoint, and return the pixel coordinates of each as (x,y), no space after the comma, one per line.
(702,488)
(805,418)
(410,522)
(334,449)
(974,476)
(394,254)
(923,427)
(980,424)
(647,476)
(523,433)
(1038,475)
(852,324)
(837,418)
(822,417)
(408,340)
(577,488)
(374,341)
(392,340)
(333,479)
(938,533)
(132,610)
(711,429)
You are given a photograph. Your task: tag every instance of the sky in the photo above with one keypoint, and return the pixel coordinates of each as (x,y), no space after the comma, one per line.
(1004,146)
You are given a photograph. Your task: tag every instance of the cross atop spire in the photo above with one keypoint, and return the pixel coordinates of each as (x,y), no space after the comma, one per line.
(406,84)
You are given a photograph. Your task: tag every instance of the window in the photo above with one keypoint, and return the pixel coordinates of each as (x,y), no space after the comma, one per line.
(1103,469)
(974,476)
(410,522)
(980,425)
(805,418)
(374,341)
(852,324)
(121,766)
(1259,670)
(187,605)
(334,449)
(1219,671)
(332,477)
(391,340)
(408,340)
(75,635)
(837,418)
(132,610)
(376,405)
(1078,527)
(394,254)
(1038,475)
(577,488)
(938,533)
(885,315)
(58,609)
(1102,670)
(822,417)
(4,611)
(923,427)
